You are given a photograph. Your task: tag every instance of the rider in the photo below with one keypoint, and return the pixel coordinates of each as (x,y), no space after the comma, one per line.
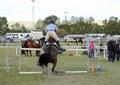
(51,30)
(27,37)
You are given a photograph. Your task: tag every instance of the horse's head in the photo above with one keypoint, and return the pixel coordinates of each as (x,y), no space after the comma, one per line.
(42,39)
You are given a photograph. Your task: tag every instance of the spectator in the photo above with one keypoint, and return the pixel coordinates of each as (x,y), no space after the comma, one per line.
(91,49)
(101,50)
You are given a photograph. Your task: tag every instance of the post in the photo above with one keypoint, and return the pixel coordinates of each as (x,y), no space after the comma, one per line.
(65,17)
(7,56)
(66,22)
(33,11)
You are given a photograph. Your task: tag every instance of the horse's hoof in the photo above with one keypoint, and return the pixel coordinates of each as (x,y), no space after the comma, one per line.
(55,72)
(44,72)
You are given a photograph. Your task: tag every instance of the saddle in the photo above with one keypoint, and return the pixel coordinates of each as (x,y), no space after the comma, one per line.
(52,41)
(55,44)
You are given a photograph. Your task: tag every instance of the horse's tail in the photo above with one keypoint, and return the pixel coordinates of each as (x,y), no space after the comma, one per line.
(44,59)
(22,43)
(23,51)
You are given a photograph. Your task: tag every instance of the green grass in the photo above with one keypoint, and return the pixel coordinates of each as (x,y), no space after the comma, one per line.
(110,74)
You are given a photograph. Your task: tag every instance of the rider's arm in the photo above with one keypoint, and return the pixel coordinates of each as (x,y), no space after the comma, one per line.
(56,30)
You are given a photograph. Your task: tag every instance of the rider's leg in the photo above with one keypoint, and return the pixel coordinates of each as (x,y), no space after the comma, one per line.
(46,39)
(54,35)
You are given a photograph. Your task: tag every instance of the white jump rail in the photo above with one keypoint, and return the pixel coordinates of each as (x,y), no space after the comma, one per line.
(30,48)
(66,72)
(9,46)
(80,48)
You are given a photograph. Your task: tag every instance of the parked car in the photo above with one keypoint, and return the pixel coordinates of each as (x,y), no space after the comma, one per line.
(2,39)
(16,40)
(61,39)
(9,39)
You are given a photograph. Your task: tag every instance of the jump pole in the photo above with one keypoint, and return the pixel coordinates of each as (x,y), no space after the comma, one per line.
(31,72)
(7,56)
(65,72)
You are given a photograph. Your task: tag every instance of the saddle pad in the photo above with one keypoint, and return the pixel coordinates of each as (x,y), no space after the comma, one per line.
(37,42)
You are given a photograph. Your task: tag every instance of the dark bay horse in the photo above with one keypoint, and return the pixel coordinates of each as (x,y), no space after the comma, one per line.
(32,44)
(50,54)
(118,50)
(111,47)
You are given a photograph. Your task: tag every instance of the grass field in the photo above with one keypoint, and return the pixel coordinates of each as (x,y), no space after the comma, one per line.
(110,74)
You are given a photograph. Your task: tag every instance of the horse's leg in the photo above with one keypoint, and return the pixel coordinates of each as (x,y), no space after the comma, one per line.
(54,65)
(38,53)
(27,52)
(23,52)
(45,69)
(113,56)
(30,52)
(109,56)
(118,55)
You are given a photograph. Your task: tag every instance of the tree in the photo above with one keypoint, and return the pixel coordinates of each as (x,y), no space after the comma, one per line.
(61,32)
(3,25)
(111,26)
(47,19)
(18,28)
(90,20)
(73,20)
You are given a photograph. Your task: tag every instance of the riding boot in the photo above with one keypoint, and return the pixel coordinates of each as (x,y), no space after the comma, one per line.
(58,44)
(44,45)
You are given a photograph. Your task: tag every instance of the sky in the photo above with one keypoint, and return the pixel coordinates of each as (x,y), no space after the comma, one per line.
(23,9)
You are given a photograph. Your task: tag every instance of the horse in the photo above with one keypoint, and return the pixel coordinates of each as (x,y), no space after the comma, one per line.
(118,51)
(80,40)
(111,47)
(32,44)
(49,55)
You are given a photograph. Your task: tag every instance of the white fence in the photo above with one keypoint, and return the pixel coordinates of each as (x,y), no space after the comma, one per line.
(8,59)
(80,48)
(68,48)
